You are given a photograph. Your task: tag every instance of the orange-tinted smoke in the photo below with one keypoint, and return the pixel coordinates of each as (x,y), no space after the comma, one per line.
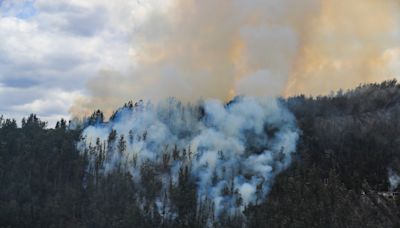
(349,43)
(219,49)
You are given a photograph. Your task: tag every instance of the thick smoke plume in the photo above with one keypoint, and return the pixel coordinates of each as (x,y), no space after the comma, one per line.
(218,49)
(233,151)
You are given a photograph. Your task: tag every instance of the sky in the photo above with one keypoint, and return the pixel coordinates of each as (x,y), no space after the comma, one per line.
(49,49)
(64,58)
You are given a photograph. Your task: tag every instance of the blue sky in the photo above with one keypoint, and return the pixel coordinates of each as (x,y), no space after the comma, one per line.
(19,9)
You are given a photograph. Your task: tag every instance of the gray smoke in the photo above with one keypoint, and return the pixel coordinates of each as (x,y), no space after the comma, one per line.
(233,150)
(394,180)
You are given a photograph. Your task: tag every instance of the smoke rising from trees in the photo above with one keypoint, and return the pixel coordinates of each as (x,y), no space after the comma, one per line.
(231,152)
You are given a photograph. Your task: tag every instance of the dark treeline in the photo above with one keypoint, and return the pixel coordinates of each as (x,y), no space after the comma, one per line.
(348,142)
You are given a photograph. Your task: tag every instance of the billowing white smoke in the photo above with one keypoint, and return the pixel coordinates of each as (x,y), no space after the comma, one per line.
(394,180)
(240,146)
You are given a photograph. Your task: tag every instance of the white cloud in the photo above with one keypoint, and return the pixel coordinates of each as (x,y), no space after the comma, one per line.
(49,49)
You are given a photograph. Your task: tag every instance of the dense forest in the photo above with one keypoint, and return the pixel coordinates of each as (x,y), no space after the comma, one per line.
(349,144)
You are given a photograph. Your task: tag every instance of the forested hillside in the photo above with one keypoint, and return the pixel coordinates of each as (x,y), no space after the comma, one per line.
(349,144)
